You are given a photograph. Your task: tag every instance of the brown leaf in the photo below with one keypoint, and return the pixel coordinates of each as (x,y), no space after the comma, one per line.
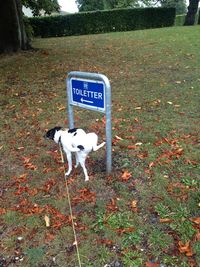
(30,166)
(134,205)
(32,192)
(49,237)
(85,195)
(126,176)
(195,220)
(142,155)
(2,211)
(107,242)
(48,185)
(151,264)
(112,206)
(132,147)
(125,230)
(185,248)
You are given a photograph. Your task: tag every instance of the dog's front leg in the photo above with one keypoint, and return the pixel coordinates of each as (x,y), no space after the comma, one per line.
(69,160)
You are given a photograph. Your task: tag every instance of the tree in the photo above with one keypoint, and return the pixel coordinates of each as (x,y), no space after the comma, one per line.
(48,6)
(180,5)
(192,10)
(90,5)
(12,28)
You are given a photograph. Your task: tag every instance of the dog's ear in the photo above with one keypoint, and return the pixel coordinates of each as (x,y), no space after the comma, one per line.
(57,128)
(51,133)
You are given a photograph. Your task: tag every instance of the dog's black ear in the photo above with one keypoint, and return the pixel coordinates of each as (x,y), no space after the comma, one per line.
(72,130)
(57,128)
(50,134)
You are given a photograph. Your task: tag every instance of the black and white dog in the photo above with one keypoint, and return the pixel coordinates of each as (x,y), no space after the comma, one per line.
(75,140)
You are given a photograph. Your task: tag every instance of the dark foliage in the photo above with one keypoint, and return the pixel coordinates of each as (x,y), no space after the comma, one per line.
(103,21)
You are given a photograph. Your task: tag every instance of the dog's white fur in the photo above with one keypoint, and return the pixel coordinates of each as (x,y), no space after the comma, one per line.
(71,143)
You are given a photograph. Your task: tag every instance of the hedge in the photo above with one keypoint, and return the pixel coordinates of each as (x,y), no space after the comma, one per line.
(103,21)
(199,18)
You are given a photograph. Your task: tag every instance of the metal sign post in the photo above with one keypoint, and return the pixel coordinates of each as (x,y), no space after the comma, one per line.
(91,91)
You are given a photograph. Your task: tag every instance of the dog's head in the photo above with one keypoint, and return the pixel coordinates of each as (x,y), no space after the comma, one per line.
(50,134)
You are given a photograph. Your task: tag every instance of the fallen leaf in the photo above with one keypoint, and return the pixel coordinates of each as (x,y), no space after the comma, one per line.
(142,155)
(61,108)
(20,148)
(118,137)
(134,205)
(138,144)
(151,164)
(47,221)
(178,82)
(185,248)
(49,237)
(107,242)
(125,230)
(132,147)
(126,176)
(152,264)
(32,192)
(2,211)
(195,220)
(112,206)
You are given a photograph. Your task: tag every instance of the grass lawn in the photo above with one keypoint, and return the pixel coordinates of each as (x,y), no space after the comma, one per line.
(146,213)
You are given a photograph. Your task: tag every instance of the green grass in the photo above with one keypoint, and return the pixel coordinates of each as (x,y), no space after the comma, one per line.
(155,102)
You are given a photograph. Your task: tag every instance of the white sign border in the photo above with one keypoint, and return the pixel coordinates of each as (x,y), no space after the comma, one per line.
(81,105)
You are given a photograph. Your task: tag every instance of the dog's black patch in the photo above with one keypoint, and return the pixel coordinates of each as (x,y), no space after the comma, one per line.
(81,147)
(72,130)
(75,134)
(50,134)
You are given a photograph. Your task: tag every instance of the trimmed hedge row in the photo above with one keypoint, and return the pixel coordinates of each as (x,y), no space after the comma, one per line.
(199,18)
(103,21)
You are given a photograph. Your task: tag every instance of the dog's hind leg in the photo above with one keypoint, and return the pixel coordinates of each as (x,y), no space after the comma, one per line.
(77,160)
(96,147)
(94,140)
(82,162)
(69,159)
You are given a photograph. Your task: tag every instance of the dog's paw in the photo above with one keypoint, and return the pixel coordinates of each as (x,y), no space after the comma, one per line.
(86,179)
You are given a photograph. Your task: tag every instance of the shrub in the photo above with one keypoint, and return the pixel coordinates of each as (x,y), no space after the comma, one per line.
(180,19)
(103,21)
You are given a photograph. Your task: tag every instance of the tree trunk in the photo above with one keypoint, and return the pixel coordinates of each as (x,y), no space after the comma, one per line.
(12,31)
(192,10)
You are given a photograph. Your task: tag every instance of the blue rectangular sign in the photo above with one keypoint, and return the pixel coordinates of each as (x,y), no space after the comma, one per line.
(88,94)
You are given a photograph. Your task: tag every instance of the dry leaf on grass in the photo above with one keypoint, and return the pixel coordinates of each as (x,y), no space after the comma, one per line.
(47,221)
